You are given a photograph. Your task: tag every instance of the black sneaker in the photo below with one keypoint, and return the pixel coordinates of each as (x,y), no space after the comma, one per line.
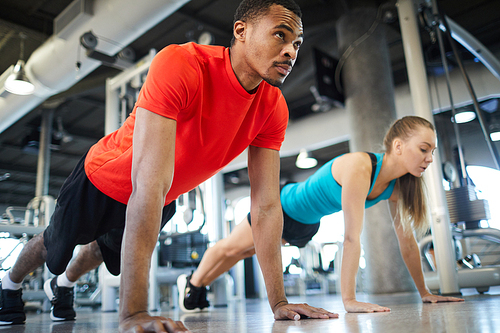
(12,307)
(203,301)
(62,301)
(191,298)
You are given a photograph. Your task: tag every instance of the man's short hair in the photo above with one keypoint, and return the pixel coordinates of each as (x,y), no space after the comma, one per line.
(249,10)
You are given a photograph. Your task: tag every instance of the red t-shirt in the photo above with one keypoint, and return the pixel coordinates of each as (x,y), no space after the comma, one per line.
(217,119)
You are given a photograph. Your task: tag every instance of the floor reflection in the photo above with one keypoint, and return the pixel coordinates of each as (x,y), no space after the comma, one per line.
(479,313)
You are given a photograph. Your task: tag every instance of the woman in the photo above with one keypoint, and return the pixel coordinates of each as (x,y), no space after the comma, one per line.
(351,183)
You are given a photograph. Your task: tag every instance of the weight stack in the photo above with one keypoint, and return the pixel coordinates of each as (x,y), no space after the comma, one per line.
(464,206)
(183,249)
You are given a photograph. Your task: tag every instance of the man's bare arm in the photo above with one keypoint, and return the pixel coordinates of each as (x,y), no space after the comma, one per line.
(267,228)
(267,219)
(152,173)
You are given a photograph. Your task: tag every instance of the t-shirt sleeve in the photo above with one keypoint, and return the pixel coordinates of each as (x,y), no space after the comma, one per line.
(273,132)
(171,83)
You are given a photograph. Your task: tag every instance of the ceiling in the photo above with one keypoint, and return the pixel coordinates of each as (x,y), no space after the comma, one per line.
(79,111)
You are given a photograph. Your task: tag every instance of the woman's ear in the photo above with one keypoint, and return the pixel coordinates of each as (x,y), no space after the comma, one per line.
(239,30)
(397,146)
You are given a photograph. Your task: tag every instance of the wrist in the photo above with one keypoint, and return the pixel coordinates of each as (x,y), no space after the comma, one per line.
(279,304)
(424,293)
(124,316)
(347,300)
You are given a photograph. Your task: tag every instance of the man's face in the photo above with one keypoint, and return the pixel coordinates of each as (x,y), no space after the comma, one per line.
(272,43)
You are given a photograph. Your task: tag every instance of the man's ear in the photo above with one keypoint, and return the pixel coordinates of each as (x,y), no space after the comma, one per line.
(239,31)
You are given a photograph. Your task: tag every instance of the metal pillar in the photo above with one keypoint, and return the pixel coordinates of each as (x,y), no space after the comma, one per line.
(112,114)
(43,167)
(369,91)
(42,204)
(215,208)
(117,85)
(440,224)
(41,207)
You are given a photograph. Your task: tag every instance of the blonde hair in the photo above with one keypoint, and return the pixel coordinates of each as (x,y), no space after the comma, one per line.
(412,201)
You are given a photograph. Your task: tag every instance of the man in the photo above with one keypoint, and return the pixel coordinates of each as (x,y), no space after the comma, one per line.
(199,108)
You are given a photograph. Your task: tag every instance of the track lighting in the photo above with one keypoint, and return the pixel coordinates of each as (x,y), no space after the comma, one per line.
(17,82)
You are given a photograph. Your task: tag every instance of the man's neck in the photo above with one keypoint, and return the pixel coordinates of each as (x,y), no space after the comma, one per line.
(242,71)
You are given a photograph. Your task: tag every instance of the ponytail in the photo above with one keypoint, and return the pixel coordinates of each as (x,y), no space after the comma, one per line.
(412,201)
(412,204)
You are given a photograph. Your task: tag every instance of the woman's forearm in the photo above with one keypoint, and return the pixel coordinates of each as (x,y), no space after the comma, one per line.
(411,256)
(350,263)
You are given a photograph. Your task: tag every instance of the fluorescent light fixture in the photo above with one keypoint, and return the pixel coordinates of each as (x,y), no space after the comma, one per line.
(464,117)
(17,82)
(495,131)
(304,161)
(495,136)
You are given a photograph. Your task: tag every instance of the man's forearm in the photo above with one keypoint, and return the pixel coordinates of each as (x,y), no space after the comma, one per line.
(140,236)
(267,239)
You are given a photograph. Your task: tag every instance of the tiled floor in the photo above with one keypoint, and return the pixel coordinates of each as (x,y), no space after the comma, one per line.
(479,313)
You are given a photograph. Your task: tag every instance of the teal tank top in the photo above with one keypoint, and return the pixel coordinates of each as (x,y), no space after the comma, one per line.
(307,202)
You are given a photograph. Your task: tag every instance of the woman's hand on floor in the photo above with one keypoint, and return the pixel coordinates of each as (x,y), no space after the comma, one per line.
(430,298)
(355,306)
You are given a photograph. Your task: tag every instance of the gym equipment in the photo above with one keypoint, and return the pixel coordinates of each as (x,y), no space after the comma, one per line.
(466,211)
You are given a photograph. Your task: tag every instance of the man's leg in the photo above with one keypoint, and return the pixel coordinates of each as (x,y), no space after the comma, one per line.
(34,253)
(87,259)
(31,257)
(60,289)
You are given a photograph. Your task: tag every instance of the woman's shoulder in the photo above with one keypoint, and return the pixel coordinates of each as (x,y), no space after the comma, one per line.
(356,159)
(358,163)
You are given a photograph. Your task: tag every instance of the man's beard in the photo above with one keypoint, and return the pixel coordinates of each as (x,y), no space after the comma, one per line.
(277,83)
(274,83)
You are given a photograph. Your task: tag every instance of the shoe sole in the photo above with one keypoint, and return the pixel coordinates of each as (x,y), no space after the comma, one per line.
(7,323)
(181,288)
(59,319)
(48,289)
(50,295)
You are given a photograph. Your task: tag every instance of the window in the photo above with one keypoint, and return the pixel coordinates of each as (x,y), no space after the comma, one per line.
(487,181)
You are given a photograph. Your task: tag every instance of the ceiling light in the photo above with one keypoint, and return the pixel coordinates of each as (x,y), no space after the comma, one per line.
(495,131)
(495,136)
(17,82)
(304,161)
(464,117)
(206,38)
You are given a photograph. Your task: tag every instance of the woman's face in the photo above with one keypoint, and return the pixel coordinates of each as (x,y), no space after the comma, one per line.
(418,151)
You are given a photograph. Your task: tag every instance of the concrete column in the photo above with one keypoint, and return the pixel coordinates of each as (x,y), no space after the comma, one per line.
(369,92)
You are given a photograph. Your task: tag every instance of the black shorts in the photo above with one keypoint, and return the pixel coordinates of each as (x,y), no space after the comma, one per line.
(84,214)
(294,232)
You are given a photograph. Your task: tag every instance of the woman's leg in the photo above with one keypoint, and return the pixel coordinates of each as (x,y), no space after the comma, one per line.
(224,255)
